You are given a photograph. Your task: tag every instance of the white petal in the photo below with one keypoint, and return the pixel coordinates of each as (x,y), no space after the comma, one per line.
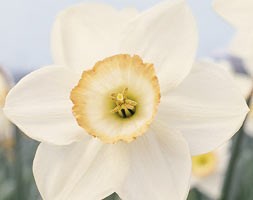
(6,128)
(160,167)
(242,81)
(224,152)
(238,13)
(40,106)
(87,33)
(166,36)
(86,170)
(207,108)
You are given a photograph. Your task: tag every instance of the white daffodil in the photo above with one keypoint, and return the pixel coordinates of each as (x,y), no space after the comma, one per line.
(239,14)
(208,171)
(6,128)
(122,109)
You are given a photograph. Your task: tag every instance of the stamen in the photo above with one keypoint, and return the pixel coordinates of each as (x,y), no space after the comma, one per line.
(124,107)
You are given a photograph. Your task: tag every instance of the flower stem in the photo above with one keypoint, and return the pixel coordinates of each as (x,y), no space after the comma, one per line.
(232,165)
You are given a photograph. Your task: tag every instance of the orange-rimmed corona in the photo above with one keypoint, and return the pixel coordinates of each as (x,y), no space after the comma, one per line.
(117,99)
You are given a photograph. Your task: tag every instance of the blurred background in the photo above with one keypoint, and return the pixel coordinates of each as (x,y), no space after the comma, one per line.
(25,27)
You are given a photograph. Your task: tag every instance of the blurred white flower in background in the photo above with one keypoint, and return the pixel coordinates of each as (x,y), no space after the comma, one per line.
(209,170)
(143,147)
(6,128)
(239,14)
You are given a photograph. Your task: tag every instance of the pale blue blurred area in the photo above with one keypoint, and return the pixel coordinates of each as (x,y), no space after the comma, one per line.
(25,27)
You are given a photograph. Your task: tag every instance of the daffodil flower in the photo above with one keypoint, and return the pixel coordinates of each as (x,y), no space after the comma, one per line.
(123,108)
(209,170)
(6,128)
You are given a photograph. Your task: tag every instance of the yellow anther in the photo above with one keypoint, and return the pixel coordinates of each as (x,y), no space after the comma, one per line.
(130,102)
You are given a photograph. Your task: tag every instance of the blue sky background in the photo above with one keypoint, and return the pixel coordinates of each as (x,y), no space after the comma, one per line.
(25,27)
